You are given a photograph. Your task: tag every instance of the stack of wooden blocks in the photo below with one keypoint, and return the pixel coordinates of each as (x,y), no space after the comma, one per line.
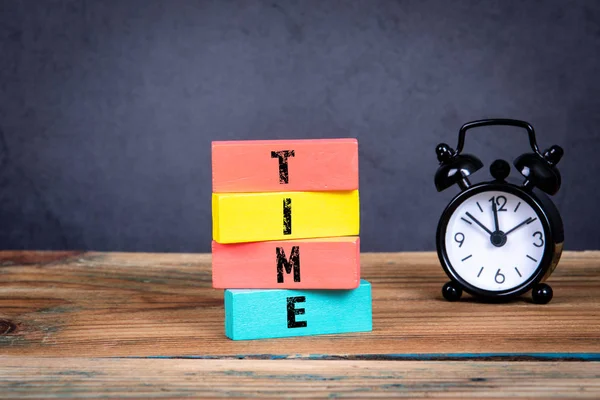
(285,238)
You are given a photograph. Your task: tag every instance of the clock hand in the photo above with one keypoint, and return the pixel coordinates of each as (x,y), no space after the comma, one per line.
(528,220)
(478,223)
(495,209)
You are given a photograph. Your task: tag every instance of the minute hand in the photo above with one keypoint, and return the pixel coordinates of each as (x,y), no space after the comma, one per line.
(479,223)
(528,220)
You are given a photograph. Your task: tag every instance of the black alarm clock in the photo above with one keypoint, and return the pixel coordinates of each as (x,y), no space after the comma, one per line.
(496,240)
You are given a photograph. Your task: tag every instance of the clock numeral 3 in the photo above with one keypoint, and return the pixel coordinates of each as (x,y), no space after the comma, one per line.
(541,238)
(459,238)
(499,278)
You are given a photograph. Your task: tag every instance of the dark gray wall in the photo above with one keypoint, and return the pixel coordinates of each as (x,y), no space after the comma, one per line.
(108,108)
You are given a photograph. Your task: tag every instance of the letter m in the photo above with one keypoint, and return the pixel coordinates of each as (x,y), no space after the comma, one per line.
(292,263)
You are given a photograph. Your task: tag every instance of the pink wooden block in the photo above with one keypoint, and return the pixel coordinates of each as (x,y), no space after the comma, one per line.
(327,263)
(284,165)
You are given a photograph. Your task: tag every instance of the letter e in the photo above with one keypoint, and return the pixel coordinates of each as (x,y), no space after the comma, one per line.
(292,311)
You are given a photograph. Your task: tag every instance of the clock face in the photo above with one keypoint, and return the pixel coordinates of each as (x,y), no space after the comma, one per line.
(495,241)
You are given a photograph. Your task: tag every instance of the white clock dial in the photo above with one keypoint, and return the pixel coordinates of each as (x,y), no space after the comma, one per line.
(519,241)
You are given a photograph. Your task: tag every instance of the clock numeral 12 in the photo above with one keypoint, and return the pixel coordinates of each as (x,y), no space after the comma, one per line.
(498,200)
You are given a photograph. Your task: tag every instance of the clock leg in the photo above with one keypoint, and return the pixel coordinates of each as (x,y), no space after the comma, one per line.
(542,293)
(452,291)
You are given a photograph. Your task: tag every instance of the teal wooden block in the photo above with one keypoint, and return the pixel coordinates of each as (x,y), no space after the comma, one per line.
(272,313)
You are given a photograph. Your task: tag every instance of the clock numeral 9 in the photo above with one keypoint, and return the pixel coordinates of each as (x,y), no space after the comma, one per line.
(499,278)
(541,238)
(459,238)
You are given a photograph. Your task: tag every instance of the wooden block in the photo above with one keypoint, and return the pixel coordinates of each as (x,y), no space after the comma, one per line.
(329,263)
(257,217)
(261,314)
(284,165)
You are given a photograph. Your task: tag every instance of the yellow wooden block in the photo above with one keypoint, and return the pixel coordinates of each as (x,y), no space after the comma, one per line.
(256,217)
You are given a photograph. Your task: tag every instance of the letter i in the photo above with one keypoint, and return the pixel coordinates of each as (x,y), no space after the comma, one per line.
(287,216)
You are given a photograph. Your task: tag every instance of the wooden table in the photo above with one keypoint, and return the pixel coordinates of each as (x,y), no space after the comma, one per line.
(150,325)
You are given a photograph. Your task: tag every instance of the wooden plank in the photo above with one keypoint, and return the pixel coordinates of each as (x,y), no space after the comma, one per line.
(136,304)
(254,217)
(284,165)
(327,263)
(276,313)
(142,378)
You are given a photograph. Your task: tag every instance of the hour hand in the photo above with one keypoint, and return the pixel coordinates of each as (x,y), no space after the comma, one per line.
(527,221)
(478,223)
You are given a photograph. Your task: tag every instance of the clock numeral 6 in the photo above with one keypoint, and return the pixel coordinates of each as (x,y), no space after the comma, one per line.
(499,278)
(541,238)
(459,238)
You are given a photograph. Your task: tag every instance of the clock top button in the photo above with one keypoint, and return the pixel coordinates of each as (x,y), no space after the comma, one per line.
(500,170)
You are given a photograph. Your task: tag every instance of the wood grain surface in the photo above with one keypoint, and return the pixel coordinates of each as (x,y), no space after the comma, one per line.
(146,320)
(101,378)
(115,304)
